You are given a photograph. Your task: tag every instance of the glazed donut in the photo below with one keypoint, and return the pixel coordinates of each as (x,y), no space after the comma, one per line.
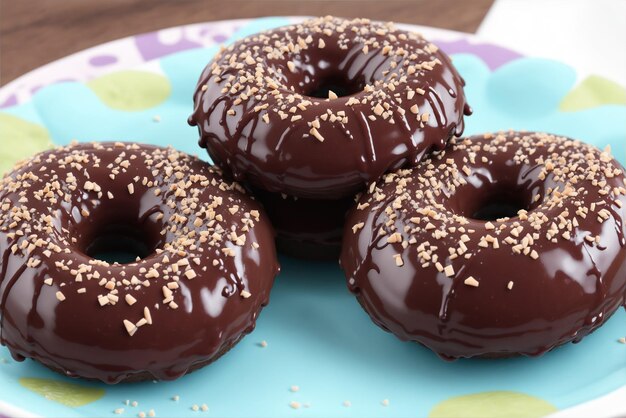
(319,109)
(503,244)
(206,262)
(310,229)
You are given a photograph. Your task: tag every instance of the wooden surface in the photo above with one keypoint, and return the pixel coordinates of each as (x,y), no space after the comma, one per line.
(35,32)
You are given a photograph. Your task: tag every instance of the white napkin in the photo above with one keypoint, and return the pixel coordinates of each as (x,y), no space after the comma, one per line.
(589,35)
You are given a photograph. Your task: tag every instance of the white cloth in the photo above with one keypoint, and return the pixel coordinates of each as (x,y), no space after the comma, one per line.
(589,35)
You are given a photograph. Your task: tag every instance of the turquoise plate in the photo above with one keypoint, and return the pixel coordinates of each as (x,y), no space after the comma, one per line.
(318,338)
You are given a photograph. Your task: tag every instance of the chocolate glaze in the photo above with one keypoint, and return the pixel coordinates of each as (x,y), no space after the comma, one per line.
(62,200)
(306,228)
(554,277)
(258,118)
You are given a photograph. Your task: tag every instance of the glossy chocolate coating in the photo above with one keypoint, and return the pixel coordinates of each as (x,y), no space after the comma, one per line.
(179,203)
(255,109)
(306,228)
(427,271)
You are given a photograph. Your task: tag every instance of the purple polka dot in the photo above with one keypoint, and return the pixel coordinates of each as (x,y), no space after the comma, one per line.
(494,56)
(10,101)
(219,38)
(150,47)
(102,60)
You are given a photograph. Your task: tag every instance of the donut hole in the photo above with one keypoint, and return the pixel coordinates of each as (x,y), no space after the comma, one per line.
(337,83)
(496,202)
(498,206)
(120,243)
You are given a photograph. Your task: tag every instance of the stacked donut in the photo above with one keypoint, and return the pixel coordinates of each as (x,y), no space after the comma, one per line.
(307,115)
(344,130)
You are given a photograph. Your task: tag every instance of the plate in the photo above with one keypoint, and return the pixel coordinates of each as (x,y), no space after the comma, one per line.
(318,338)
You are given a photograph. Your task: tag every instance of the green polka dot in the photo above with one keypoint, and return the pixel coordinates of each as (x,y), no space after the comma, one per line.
(492,404)
(20,140)
(131,90)
(69,394)
(592,92)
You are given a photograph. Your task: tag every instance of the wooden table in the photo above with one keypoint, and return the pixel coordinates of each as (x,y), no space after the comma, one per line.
(35,32)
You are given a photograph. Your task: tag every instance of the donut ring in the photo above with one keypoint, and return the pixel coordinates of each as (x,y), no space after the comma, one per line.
(208,262)
(501,245)
(319,109)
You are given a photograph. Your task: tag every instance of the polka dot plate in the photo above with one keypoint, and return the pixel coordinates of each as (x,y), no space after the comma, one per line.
(318,338)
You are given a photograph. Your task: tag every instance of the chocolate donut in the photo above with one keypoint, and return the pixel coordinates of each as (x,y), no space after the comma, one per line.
(205,262)
(310,229)
(318,109)
(503,244)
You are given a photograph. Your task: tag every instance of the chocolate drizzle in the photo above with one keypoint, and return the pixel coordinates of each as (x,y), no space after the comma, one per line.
(260,117)
(211,265)
(428,270)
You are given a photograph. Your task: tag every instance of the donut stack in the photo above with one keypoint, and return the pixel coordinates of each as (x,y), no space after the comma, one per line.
(310,115)
(337,135)
(307,115)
